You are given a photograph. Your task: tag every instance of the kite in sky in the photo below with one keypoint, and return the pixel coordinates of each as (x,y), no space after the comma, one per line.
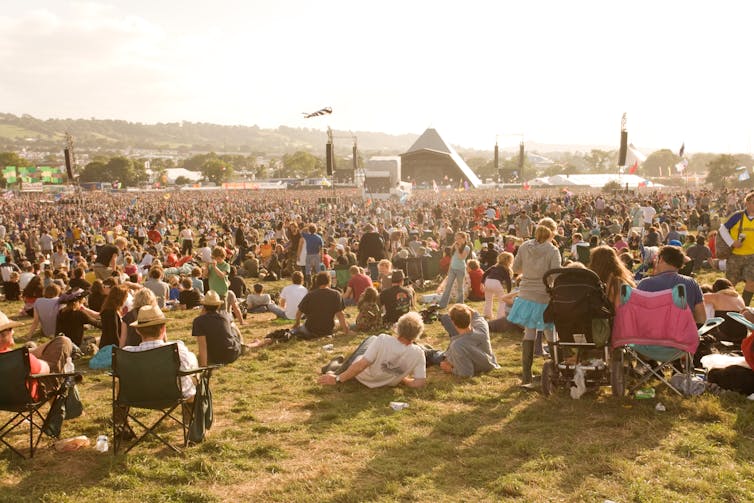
(324,111)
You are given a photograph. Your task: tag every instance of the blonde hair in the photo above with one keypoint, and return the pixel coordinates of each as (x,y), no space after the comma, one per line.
(410,326)
(543,233)
(505,259)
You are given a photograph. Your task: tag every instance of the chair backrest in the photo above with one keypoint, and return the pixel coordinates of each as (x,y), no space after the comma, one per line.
(374,273)
(148,379)
(431,268)
(655,318)
(583,254)
(342,277)
(14,374)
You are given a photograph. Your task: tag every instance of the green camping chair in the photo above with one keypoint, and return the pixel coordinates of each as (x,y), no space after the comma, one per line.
(151,380)
(431,268)
(342,276)
(583,254)
(15,397)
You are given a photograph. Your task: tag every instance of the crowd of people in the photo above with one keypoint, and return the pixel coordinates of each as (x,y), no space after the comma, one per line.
(101,259)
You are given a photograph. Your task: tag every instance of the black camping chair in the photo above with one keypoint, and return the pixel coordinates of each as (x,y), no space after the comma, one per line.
(151,379)
(15,397)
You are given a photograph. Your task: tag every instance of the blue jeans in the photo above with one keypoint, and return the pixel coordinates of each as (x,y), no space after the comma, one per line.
(269,308)
(453,276)
(359,351)
(313,262)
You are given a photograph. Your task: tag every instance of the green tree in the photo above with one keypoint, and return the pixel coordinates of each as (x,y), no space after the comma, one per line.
(124,170)
(722,171)
(95,171)
(216,170)
(659,160)
(13,159)
(302,165)
(599,161)
(182,180)
(612,186)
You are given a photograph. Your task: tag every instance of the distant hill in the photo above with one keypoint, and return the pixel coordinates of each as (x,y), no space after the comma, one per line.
(30,133)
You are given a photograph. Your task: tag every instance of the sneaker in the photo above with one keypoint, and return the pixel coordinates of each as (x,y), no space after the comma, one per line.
(334,364)
(529,386)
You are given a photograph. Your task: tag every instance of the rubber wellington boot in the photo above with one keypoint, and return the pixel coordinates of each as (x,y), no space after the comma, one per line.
(527,358)
(538,344)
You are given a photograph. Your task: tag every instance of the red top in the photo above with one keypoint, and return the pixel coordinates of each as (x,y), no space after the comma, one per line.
(475,276)
(358,284)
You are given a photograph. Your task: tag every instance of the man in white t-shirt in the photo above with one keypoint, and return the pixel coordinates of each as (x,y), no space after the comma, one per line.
(384,360)
(291,295)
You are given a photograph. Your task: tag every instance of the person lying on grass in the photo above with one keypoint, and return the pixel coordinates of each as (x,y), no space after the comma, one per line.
(383,360)
(469,352)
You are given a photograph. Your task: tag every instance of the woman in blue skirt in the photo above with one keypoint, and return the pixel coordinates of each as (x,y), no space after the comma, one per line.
(534,258)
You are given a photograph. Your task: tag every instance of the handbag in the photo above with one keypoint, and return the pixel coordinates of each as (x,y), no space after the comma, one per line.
(722,249)
(73,406)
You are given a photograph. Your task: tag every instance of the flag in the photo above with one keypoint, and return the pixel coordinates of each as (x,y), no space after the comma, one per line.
(643,183)
(744,176)
(434,186)
(680,166)
(634,153)
(466,184)
(633,168)
(323,111)
(526,186)
(682,149)
(147,165)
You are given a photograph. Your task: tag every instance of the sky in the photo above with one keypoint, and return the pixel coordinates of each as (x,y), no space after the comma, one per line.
(550,72)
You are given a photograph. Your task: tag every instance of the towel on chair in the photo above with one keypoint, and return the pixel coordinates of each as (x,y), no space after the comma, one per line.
(654,318)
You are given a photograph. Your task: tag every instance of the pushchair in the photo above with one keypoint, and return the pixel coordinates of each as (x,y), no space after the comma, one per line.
(582,314)
(654,333)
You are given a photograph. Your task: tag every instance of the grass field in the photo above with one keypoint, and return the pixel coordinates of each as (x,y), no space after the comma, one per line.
(279,436)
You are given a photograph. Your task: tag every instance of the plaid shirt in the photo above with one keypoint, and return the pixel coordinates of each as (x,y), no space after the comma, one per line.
(188,361)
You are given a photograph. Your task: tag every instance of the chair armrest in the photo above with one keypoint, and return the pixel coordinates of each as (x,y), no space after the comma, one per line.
(199,370)
(77,376)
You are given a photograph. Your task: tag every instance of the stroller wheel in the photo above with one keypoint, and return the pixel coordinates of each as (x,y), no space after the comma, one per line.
(549,378)
(617,374)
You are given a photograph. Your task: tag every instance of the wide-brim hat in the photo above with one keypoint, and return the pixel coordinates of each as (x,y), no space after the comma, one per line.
(73,296)
(6,323)
(149,316)
(212,298)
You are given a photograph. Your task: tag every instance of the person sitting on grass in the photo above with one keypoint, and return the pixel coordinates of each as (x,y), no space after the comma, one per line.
(370,313)
(189,297)
(470,350)
(356,285)
(260,302)
(217,339)
(321,306)
(397,300)
(291,295)
(383,360)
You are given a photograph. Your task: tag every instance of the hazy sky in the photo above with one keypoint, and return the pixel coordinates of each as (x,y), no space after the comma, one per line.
(558,72)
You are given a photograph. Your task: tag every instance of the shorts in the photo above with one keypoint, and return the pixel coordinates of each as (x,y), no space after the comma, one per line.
(739,268)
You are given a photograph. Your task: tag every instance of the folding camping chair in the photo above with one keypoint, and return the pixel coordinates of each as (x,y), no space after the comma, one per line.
(342,276)
(151,379)
(653,331)
(16,397)
(431,268)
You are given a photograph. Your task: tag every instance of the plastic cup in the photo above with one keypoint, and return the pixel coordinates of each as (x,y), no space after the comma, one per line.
(397,406)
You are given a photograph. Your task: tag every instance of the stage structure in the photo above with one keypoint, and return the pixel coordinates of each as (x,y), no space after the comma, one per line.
(430,159)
